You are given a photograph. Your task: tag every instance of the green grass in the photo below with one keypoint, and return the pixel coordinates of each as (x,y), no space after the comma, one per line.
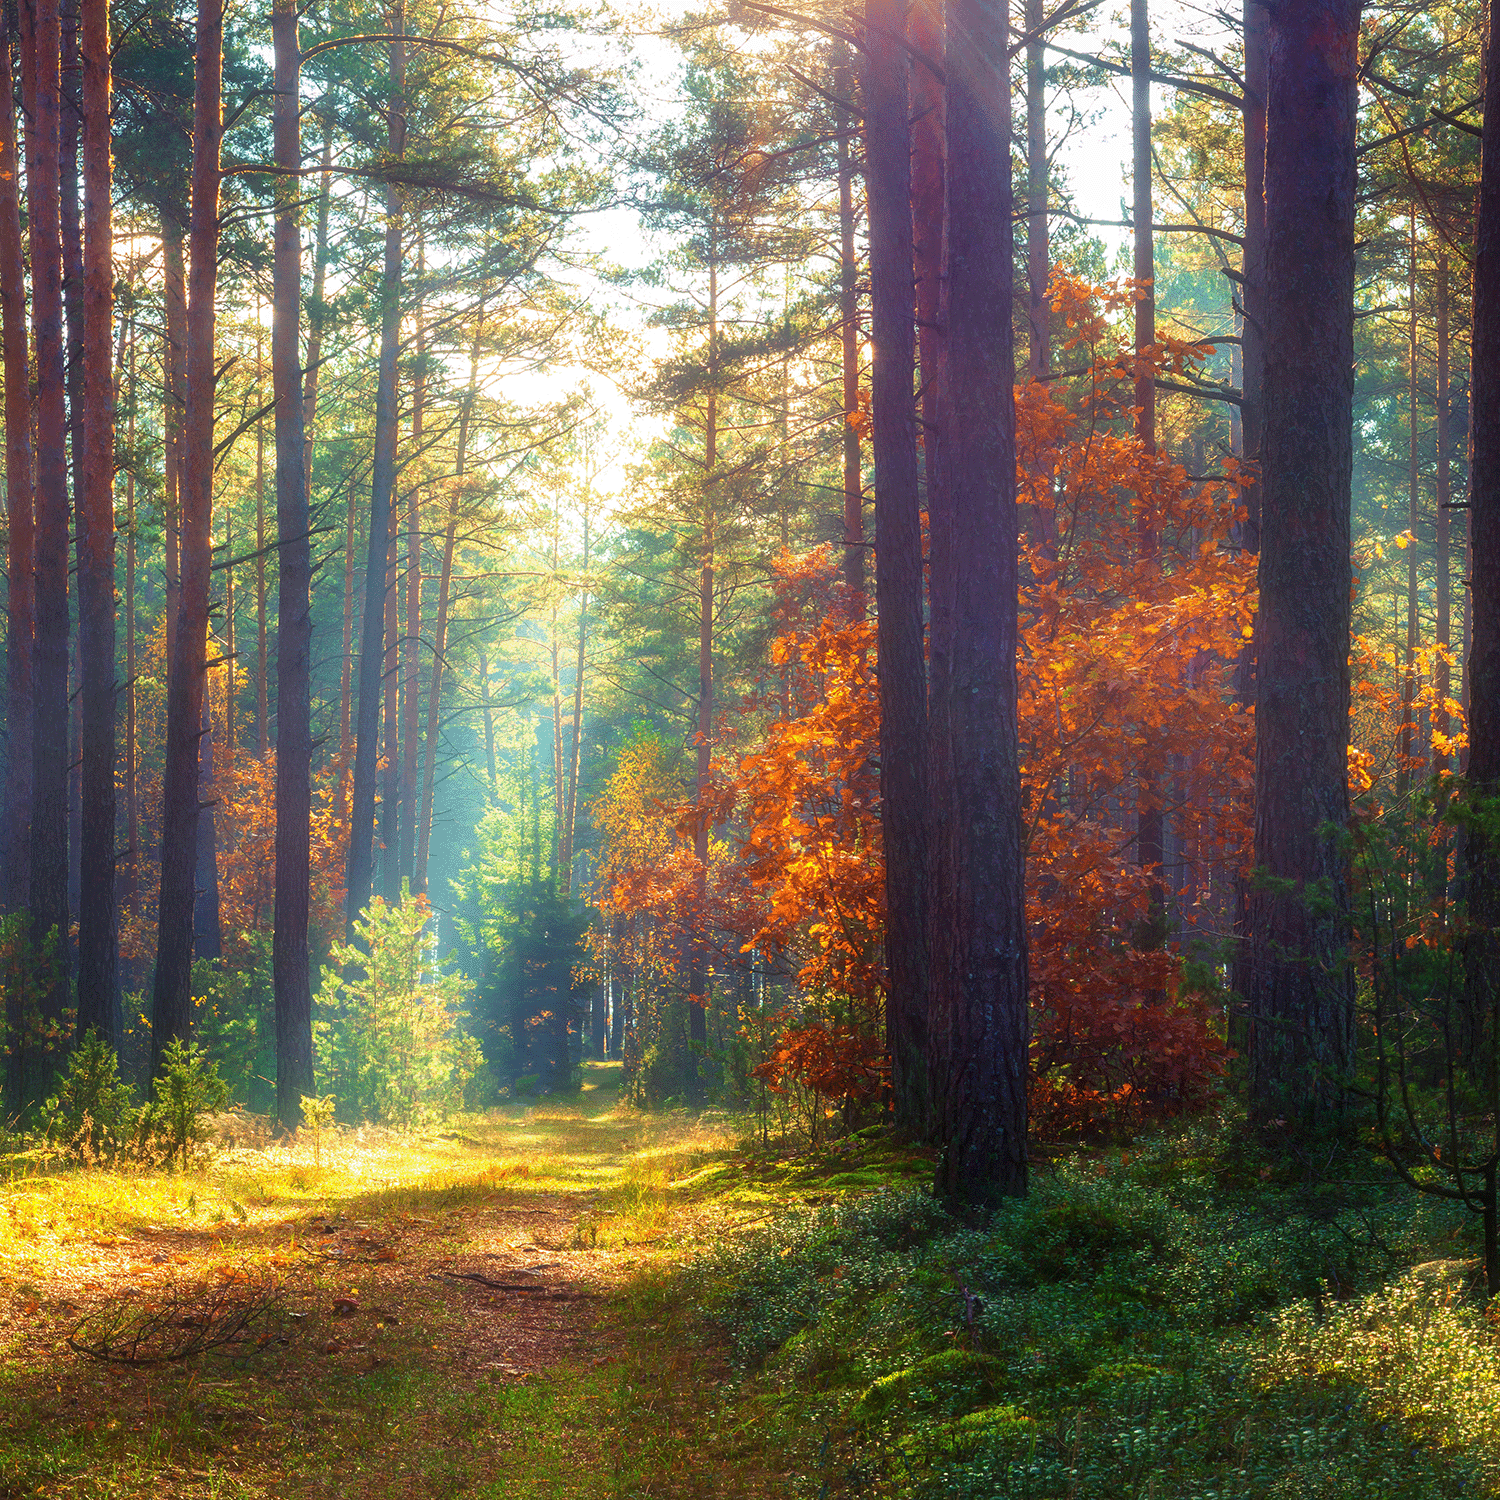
(1189,1320)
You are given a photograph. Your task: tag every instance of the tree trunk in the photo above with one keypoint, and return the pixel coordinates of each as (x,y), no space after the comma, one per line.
(1252,289)
(1149,830)
(697,1002)
(130,887)
(316,314)
(262,670)
(49,821)
(347,663)
(575,754)
(489,726)
(891,206)
(1442,677)
(854,518)
(1407,738)
(21,595)
(172,1001)
(557,747)
(290,962)
(979,1014)
(1482,850)
(1038,257)
(411,639)
(98,915)
(174,411)
(390,787)
(358,881)
(208,934)
(440,625)
(1301,983)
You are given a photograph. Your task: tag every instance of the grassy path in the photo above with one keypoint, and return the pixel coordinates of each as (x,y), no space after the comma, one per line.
(465,1314)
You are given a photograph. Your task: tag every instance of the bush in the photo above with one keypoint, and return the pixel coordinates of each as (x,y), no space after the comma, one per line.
(187,1088)
(92,1116)
(391,1046)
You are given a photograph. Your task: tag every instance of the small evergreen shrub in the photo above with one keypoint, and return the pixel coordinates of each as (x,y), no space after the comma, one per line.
(187,1088)
(92,1115)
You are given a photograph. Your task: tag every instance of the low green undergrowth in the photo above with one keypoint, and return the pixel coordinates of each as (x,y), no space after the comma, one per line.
(1185,1320)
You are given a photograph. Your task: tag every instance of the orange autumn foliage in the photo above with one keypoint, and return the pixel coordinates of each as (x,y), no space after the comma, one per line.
(1124,680)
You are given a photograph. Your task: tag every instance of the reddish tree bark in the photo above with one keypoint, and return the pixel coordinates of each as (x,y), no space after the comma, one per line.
(898,532)
(21,595)
(174,411)
(1301,983)
(1038,259)
(358,879)
(172,1002)
(49,823)
(978,1015)
(290,960)
(98,918)
(21,599)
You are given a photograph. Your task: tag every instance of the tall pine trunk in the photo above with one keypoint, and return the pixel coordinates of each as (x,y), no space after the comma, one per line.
(898,524)
(49,818)
(98,917)
(575,749)
(411,637)
(1038,259)
(854,519)
(262,670)
(1482,850)
(1444,486)
(317,311)
(20,595)
(174,413)
(359,871)
(172,1002)
(978,1018)
(290,962)
(390,788)
(1406,742)
(1301,983)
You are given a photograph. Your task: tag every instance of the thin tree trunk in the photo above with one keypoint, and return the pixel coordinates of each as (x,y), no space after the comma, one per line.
(172,1002)
(897,204)
(208,933)
(1442,677)
(854,518)
(1149,830)
(21,595)
(1407,738)
(440,627)
(1038,258)
(130,890)
(316,313)
(290,960)
(262,671)
(557,748)
(697,1002)
(358,881)
(390,785)
(411,639)
(174,411)
(1301,983)
(575,753)
(979,1018)
(347,664)
(98,916)
(49,822)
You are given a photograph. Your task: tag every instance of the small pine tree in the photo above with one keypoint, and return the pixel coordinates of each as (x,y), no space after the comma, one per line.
(92,1115)
(187,1088)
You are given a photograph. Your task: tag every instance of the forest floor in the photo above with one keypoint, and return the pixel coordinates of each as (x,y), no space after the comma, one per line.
(476,1312)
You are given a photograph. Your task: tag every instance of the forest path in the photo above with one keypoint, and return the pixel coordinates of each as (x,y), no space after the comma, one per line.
(440,1315)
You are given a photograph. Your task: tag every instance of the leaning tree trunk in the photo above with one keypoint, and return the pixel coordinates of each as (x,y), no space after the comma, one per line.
(978,1019)
(291,981)
(1482,848)
(49,818)
(898,532)
(98,917)
(172,1000)
(1301,982)
(359,875)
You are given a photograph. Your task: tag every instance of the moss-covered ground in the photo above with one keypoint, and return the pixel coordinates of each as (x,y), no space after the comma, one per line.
(578,1300)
